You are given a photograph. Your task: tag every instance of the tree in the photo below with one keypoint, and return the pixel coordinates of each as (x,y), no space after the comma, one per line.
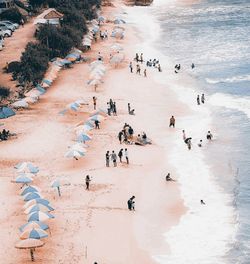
(4,92)
(34,63)
(12,14)
(38,3)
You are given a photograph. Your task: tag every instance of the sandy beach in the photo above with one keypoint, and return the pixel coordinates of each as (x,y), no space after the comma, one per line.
(96,225)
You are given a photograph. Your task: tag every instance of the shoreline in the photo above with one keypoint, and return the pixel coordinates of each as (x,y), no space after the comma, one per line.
(101,213)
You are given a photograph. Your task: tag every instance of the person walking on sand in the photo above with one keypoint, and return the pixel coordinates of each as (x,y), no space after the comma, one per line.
(131,67)
(97,124)
(188,142)
(209,135)
(126,155)
(203,98)
(129,108)
(138,69)
(184,135)
(107,158)
(172,122)
(87,182)
(120,154)
(114,158)
(131,203)
(145,73)
(198,100)
(94,102)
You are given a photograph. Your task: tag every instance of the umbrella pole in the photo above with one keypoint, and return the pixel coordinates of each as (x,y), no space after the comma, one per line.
(59,192)
(32,254)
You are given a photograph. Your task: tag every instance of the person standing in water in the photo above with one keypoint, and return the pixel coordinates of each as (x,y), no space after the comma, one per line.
(198,100)
(203,98)
(107,158)
(184,135)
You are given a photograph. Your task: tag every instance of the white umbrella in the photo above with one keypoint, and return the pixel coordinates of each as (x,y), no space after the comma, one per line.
(20,104)
(73,154)
(30,100)
(117,58)
(116,47)
(78,147)
(94,82)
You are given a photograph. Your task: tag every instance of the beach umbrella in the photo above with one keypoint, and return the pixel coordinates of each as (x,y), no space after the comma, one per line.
(39,216)
(20,104)
(73,106)
(95,29)
(117,34)
(23,179)
(101,19)
(27,167)
(83,128)
(96,118)
(74,154)
(40,89)
(6,112)
(33,224)
(36,201)
(119,21)
(29,189)
(31,196)
(116,47)
(82,137)
(95,63)
(117,58)
(58,183)
(33,93)
(79,147)
(36,233)
(94,82)
(30,100)
(99,112)
(38,207)
(31,244)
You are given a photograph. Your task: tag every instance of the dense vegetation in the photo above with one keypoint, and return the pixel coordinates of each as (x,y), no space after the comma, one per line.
(4,93)
(55,41)
(12,14)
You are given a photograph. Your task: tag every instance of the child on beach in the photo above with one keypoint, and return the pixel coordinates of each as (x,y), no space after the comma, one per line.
(138,69)
(131,67)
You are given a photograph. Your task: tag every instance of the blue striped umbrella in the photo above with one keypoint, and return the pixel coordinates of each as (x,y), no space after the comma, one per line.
(34,224)
(29,189)
(39,207)
(23,179)
(31,196)
(36,233)
(39,216)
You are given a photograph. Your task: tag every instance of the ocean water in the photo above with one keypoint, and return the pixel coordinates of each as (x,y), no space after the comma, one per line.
(215,36)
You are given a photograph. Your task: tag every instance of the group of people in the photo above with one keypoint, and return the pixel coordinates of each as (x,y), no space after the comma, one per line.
(113,157)
(177,68)
(130,110)
(187,140)
(154,63)
(111,107)
(200,99)
(138,69)
(4,134)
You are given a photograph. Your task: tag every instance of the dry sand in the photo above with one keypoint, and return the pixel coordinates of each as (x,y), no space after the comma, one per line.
(95,225)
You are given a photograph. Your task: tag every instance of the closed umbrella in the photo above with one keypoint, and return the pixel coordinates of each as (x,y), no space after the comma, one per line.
(36,233)
(31,244)
(33,224)
(39,216)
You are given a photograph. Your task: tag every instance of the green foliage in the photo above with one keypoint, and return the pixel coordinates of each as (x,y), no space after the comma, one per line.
(52,37)
(38,3)
(34,63)
(12,14)
(4,92)
(14,66)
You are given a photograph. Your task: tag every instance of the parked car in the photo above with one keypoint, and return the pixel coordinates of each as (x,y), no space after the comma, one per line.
(5,32)
(7,22)
(9,26)
(1,42)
